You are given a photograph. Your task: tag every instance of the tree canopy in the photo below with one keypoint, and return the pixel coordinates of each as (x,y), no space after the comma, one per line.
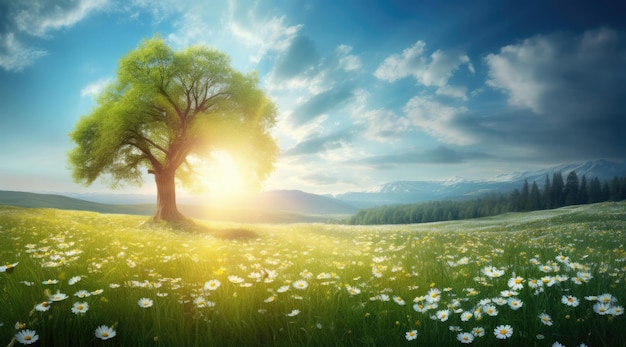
(166,106)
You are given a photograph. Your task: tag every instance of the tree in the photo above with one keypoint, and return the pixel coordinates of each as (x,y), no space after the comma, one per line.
(165,108)
(571,189)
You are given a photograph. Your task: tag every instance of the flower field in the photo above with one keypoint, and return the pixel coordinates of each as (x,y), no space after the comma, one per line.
(547,278)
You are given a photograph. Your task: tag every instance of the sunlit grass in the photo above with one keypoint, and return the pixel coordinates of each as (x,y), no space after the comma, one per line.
(521,279)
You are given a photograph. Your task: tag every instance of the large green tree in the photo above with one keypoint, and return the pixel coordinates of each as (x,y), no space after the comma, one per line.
(165,106)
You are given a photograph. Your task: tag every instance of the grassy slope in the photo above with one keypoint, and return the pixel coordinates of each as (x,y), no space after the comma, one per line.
(117,249)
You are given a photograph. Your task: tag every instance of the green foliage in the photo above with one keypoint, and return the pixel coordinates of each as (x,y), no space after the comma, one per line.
(166,105)
(344,302)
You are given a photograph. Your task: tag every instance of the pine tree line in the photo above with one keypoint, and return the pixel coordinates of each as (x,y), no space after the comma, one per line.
(555,193)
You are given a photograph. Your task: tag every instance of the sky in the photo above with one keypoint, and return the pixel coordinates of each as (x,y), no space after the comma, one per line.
(368,91)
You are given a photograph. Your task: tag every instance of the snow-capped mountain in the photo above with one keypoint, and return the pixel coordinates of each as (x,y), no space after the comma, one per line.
(401,192)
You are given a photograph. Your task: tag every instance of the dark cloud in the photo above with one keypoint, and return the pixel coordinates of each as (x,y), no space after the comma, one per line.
(566,96)
(297,58)
(321,103)
(439,155)
(322,143)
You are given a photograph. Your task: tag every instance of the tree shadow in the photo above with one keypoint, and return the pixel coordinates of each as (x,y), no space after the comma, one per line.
(189,226)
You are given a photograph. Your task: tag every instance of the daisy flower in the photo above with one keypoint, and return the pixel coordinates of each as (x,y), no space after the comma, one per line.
(8,268)
(212,285)
(50,282)
(43,307)
(490,310)
(558,344)
(399,300)
(434,295)
(478,331)
(545,319)
(235,279)
(82,294)
(293,313)
(353,290)
(200,302)
(58,296)
(74,280)
(80,307)
(534,283)
(282,289)
(570,300)
(443,315)
(300,284)
(465,337)
(420,308)
(515,303)
(411,335)
(516,283)
(503,331)
(104,332)
(465,316)
(606,298)
(145,302)
(26,337)
(601,308)
(616,310)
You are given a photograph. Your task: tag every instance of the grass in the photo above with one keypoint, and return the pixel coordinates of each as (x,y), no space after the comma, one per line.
(314,284)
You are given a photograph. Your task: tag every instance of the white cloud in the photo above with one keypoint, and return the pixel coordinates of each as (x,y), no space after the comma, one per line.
(94,89)
(38,17)
(561,76)
(348,61)
(432,71)
(440,121)
(14,56)
(382,125)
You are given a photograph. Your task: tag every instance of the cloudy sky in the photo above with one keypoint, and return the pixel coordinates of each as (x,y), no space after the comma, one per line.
(369,91)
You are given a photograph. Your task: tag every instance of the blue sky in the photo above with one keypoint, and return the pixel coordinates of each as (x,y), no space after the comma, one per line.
(368,91)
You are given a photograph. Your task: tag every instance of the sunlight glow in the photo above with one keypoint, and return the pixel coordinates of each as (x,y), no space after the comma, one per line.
(222,177)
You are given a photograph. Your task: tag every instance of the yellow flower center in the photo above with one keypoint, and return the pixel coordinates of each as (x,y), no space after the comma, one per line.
(105,334)
(503,331)
(27,337)
(518,280)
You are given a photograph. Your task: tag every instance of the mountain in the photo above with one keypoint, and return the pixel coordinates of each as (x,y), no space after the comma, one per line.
(403,192)
(288,206)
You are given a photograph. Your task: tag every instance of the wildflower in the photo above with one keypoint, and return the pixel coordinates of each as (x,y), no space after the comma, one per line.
(545,319)
(145,302)
(465,337)
(382,297)
(500,301)
(114,285)
(8,268)
(606,298)
(270,299)
(300,284)
(200,302)
(557,344)
(465,316)
(601,308)
(516,283)
(515,303)
(534,283)
(478,331)
(503,331)
(58,296)
(80,307)
(235,279)
(443,315)
(104,332)
(212,285)
(376,272)
(282,289)
(490,310)
(43,307)
(293,313)
(508,293)
(455,328)
(74,280)
(19,325)
(433,295)
(548,280)
(50,282)
(353,290)
(411,335)
(570,300)
(420,308)
(399,300)
(491,271)
(97,292)
(82,294)
(616,310)
(26,337)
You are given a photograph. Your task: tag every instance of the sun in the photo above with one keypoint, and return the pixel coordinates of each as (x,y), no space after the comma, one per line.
(222,176)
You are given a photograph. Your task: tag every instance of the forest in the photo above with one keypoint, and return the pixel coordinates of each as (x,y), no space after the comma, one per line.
(554,193)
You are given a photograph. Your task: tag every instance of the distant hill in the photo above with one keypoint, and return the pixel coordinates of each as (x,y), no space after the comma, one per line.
(294,207)
(402,192)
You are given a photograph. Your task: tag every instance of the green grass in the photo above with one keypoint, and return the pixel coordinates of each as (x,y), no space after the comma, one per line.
(120,260)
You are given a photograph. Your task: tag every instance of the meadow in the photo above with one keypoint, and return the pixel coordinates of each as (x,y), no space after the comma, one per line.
(546,278)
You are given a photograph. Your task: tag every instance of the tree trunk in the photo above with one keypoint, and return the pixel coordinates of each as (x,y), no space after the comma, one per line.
(166,209)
